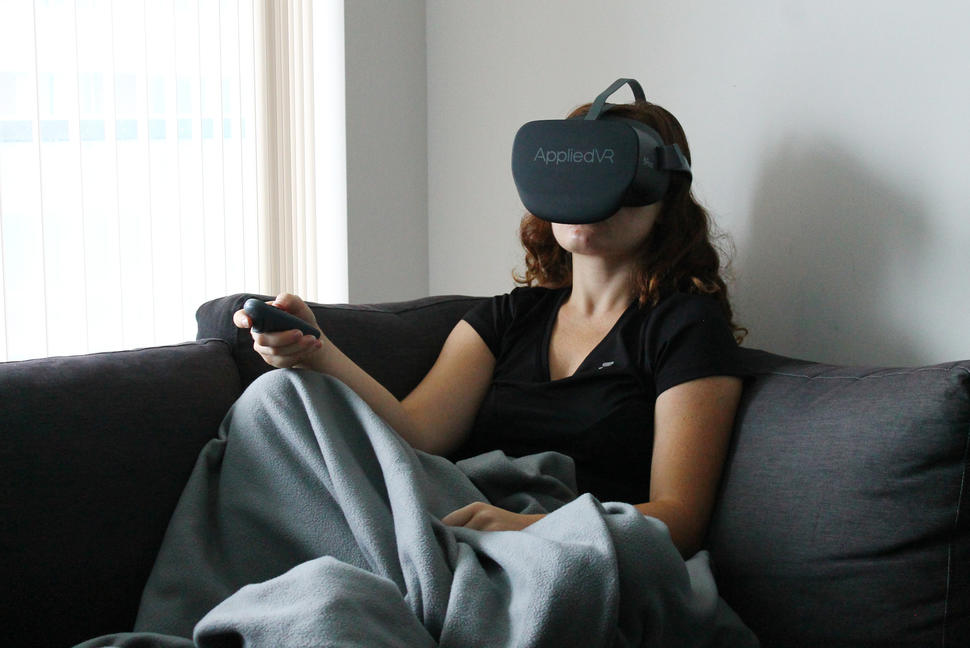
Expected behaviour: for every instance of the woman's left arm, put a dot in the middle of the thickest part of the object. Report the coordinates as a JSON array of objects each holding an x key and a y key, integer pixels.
[{"x": 692, "y": 431}]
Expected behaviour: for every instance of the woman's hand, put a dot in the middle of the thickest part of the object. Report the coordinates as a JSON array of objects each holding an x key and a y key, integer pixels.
[
  {"x": 485, "y": 517},
  {"x": 285, "y": 348}
]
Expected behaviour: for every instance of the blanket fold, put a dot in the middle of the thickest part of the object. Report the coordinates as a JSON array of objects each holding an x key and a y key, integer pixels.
[{"x": 308, "y": 521}]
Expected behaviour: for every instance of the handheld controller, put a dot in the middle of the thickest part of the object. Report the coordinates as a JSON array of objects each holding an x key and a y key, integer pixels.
[{"x": 269, "y": 319}]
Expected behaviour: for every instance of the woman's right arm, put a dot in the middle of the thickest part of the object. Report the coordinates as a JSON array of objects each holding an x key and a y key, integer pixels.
[{"x": 435, "y": 417}]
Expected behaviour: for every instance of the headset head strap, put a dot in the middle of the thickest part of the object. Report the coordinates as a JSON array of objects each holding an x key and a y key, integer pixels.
[{"x": 600, "y": 102}]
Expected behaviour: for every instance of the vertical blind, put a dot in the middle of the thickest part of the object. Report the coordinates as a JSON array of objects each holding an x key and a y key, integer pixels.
[
  {"x": 301, "y": 122},
  {"x": 144, "y": 169}
]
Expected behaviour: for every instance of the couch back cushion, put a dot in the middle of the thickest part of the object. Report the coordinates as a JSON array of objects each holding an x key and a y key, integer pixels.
[
  {"x": 396, "y": 342},
  {"x": 97, "y": 450},
  {"x": 843, "y": 518}
]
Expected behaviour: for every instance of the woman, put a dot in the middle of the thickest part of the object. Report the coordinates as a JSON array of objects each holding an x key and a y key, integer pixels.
[
  {"x": 635, "y": 376},
  {"x": 308, "y": 520}
]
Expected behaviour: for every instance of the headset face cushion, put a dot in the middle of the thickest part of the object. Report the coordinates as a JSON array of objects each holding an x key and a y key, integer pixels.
[{"x": 583, "y": 171}]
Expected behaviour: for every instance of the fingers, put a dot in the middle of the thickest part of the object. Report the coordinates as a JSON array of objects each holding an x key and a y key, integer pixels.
[
  {"x": 290, "y": 303},
  {"x": 281, "y": 299},
  {"x": 283, "y": 343},
  {"x": 485, "y": 517},
  {"x": 462, "y": 516},
  {"x": 286, "y": 301},
  {"x": 481, "y": 517},
  {"x": 294, "y": 305},
  {"x": 285, "y": 348},
  {"x": 241, "y": 319}
]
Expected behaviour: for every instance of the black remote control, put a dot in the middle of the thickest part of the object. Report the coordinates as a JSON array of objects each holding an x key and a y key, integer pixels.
[{"x": 269, "y": 319}]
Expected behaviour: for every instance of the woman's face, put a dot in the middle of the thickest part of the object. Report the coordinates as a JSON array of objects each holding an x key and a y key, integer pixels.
[{"x": 618, "y": 236}]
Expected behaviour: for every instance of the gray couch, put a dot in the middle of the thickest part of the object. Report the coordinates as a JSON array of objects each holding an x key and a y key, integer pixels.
[{"x": 843, "y": 518}]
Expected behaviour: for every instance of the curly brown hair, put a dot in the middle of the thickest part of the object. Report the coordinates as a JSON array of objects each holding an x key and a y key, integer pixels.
[{"x": 679, "y": 255}]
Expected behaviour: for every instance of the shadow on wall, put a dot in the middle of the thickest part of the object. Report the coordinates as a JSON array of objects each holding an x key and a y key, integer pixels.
[{"x": 823, "y": 272}]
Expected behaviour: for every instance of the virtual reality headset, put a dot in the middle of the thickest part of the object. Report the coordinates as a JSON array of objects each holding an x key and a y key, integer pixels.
[{"x": 582, "y": 170}]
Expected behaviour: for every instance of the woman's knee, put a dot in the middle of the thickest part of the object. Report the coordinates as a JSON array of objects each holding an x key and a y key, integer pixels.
[
  {"x": 290, "y": 383},
  {"x": 281, "y": 394}
]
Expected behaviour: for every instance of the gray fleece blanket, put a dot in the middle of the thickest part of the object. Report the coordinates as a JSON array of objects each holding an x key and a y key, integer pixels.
[{"x": 309, "y": 522}]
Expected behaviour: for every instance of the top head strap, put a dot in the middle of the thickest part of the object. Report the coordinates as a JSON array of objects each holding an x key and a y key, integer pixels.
[{"x": 600, "y": 102}]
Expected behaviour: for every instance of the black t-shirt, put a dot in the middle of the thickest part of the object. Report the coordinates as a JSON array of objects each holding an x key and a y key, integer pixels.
[{"x": 602, "y": 415}]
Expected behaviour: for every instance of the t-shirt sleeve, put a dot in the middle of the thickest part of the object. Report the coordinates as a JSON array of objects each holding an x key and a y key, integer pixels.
[
  {"x": 689, "y": 338},
  {"x": 491, "y": 319}
]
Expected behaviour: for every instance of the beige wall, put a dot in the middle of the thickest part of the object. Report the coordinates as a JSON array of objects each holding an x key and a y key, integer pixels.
[
  {"x": 387, "y": 139},
  {"x": 830, "y": 140}
]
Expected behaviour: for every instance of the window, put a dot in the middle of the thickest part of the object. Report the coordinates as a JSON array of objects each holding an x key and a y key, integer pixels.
[{"x": 141, "y": 174}]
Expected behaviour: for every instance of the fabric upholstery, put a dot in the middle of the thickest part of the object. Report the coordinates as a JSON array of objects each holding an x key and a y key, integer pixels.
[
  {"x": 843, "y": 516},
  {"x": 95, "y": 452},
  {"x": 396, "y": 343},
  {"x": 842, "y": 519}
]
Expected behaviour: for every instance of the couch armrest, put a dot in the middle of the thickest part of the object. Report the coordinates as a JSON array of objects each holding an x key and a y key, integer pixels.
[
  {"x": 395, "y": 342},
  {"x": 95, "y": 452},
  {"x": 844, "y": 513}
]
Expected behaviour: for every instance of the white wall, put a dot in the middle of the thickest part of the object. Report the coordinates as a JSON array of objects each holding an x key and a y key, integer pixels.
[
  {"x": 830, "y": 140},
  {"x": 387, "y": 137}
]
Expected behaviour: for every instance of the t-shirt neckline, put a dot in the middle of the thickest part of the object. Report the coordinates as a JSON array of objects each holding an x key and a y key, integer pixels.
[{"x": 547, "y": 337}]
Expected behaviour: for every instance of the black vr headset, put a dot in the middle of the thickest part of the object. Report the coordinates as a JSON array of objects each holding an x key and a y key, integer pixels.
[{"x": 583, "y": 170}]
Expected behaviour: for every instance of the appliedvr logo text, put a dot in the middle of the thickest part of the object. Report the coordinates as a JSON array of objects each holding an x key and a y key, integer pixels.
[{"x": 572, "y": 156}]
